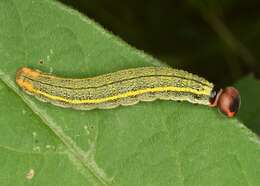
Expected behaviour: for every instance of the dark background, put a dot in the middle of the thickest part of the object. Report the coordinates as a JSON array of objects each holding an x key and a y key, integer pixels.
[{"x": 216, "y": 39}]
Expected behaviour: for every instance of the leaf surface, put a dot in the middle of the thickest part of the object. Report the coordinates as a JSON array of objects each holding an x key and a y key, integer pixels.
[{"x": 155, "y": 143}]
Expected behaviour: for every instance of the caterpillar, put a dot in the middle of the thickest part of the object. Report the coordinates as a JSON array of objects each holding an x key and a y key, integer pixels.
[{"x": 127, "y": 87}]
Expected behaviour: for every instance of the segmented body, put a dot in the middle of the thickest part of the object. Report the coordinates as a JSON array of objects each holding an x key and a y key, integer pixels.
[{"x": 125, "y": 87}]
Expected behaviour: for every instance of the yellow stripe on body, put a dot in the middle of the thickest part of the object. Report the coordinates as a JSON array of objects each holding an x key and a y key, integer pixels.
[{"x": 123, "y": 95}]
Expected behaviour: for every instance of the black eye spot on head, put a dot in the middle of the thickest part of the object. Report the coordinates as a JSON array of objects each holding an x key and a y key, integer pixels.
[
  {"x": 236, "y": 104},
  {"x": 229, "y": 101}
]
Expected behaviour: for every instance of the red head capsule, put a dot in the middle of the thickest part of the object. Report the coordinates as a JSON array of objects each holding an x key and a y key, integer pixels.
[{"x": 227, "y": 100}]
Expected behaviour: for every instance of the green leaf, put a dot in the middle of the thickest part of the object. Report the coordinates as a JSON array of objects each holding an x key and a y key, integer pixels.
[
  {"x": 156, "y": 143},
  {"x": 250, "y": 90}
]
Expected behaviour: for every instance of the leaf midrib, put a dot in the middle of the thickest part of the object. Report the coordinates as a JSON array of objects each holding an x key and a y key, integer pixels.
[{"x": 74, "y": 150}]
